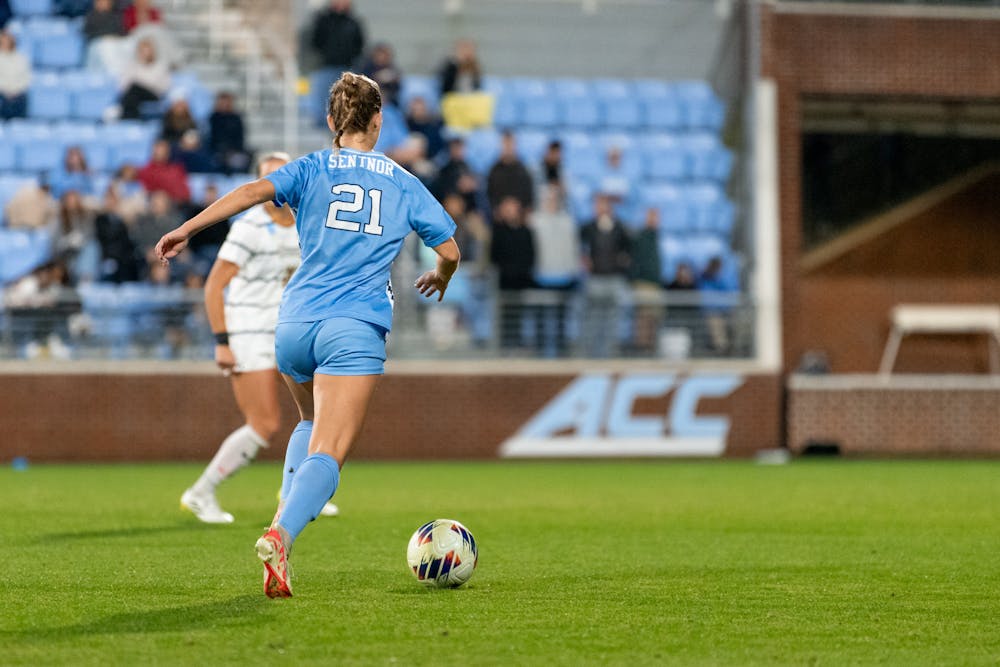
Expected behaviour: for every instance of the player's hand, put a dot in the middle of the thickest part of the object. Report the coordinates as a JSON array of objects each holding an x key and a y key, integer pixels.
[
  {"x": 432, "y": 283},
  {"x": 171, "y": 245},
  {"x": 224, "y": 359}
]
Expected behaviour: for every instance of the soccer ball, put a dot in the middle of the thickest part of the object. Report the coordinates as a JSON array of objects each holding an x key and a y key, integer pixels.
[{"x": 442, "y": 554}]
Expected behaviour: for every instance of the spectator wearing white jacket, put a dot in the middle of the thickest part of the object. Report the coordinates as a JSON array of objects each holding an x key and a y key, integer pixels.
[{"x": 15, "y": 77}]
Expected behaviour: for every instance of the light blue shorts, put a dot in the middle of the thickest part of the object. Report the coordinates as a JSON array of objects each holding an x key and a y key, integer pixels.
[{"x": 335, "y": 346}]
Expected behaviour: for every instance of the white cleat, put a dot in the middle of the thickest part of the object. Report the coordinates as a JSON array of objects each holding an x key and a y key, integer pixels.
[
  {"x": 329, "y": 510},
  {"x": 205, "y": 507}
]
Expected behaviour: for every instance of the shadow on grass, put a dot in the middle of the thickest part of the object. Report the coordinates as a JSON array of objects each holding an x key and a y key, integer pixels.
[
  {"x": 129, "y": 531},
  {"x": 240, "y": 611}
]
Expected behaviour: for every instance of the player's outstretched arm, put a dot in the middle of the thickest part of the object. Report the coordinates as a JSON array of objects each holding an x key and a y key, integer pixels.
[
  {"x": 225, "y": 207},
  {"x": 436, "y": 281}
]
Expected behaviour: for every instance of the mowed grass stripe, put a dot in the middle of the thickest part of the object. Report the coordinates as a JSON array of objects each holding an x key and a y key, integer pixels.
[{"x": 580, "y": 563}]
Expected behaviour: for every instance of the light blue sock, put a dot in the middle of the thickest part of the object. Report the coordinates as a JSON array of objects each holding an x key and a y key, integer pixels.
[
  {"x": 295, "y": 454},
  {"x": 313, "y": 485}
]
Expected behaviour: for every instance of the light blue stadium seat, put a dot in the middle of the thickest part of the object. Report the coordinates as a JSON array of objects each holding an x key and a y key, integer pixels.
[
  {"x": 496, "y": 85},
  {"x": 197, "y": 184},
  {"x": 130, "y": 142},
  {"x": 22, "y": 251},
  {"x": 482, "y": 148},
  {"x": 703, "y": 114},
  {"x": 48, "y": 98},
  {"x": 703, "y": 202},
  {"x": 90, "y": 102},
  {"x": 580, "y": 200},
  {"x": 581, "y": 112},
  {"x": 427, "y": 87},
  {"x": 8, "y": 157},
  {"x": 664, "y": 158},
  {"x": 651, "y": 89},
  {"x": 619, "y": 102},
  {"x": 60, "y": 50},
  {"x": 672, "y": 253},
  {"x": 669, "y": 201},
  {"x": 531, "y": 145},
  {"x": 582, "y": 155},
  {"x": 40, "y": 155},
  {"x": 538, "y": 111},
  {"x": 31, "y": 7},
  {"x": 506, "y": 112},
  {"x": 662, "y": 113}
]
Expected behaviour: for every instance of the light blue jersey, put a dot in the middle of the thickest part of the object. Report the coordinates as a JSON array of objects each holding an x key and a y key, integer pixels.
[{"x": 352, "y": 211}]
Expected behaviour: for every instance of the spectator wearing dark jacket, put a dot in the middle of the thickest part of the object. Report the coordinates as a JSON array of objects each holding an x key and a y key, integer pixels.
[
  {"x": 226, "y": 135},
  {"x": 119, "y": 258},
  {"x": 461, "y": 72},
  {"x": 606, "y": 254},
  {"x": 338, "y": 37},
  {"x": 381, "y": 68},
  {"x": 509, "y": 177},
  {"x": 512, "y": 251},
  {"x": 456, "y": 176},
  {"x": 103, "y": 20}
]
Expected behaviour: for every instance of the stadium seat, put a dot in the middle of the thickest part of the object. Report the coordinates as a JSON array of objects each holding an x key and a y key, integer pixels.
[
  {"x": 39, "y": 155},
  {"x": 129, "y": 142},
  {"x": 651, "y": 89},
  {"x": 22, "y": 251},
  {"x": 197, "y": 184},
  {"x": 506, "y": 112},
  {"x": 427, "y": 87},
  {"x": 669, "y": 201},
  {"x": 482, "y": 148},
  {"x": 59, "y": 50},
  {"x": 664, "y": 158},
  {"x": 31, "y": 7},
  {"x": 531, "y": 145},
  {"x": 619, "y": 102},
  {"x": 8, "y": 157},
  {"x": 580, "y": 200},
  {"x": 582, "y": 156},
  {"x": 48, "y": 98},
  {"x": 580, "y": 112},
  {"x": 662, "y": 113}
]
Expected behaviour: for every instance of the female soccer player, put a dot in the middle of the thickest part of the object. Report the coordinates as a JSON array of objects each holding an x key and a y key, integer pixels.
[
  {"x": 354, "y": 209},
  {"x": 259, "y": 256}
]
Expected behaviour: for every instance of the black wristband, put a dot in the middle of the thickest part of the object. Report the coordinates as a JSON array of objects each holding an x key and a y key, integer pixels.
[{"x": 222, "y": 338}]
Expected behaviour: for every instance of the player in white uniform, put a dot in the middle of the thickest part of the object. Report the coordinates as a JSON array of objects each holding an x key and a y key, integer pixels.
[{"x": 242, "y": 295}]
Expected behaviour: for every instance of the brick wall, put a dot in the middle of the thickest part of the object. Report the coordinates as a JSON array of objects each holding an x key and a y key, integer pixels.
[
  {"x": 156, "y": 417},
  {"x": 937, "y": 416},
  {"x": 835, "y": 54}
]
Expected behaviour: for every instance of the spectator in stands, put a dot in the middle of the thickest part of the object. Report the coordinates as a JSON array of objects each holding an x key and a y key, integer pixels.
[
  {"x": 31, "y": 207},
  {"x": 712, "y": 287},
  {"x": 461, "y": 73},
  {"x": 381, "y": 68},
  {"x": 146, "y": 79},
  {"x": 71, "y": 8},
  {"x": 119, "y": 259},
  {"x": 105, "y": 32},
  {"x": 338, "y": 40},
  {"x": 411, "y": 154},
  {"x": 226, "y": 135},
  {"x": 37, "y": 317},
  {"x": 164, "y": 175},
  {"x": 139, "y": 13},
  {"x": 205, "y": 246},
  {"x": 607, "y": 260},
  {"x": 557, "y": 267},
  {"x": 337, "y": 36},
  {"x": 73, "y": 175},
  {"x": 149, "y": 227},
  {"x": 177, "y": 120},
  {"x": 552, "y": 164},
  {"x": 5, "y": 13},
  {"x": 647, "y": 276},
  {"x": 103, "y": 20},
  {"x": 509, "y": 177},
  {"x": 130, "y": 196},
  {"x": 15, "y": 77},
  {"x": 456, "y": 176},
  {"x": 512, "y": 251},
  {"x": 615, "y": 182},
  {"x": 76, "y": 243},
  {"x": 684, "y": 279},
  {"x": 421, "y": 120},
  {"x": 193, "y": 156}
]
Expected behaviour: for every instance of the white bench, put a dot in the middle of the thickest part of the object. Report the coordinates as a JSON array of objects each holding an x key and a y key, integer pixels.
[{"x": 942, "y": 319}]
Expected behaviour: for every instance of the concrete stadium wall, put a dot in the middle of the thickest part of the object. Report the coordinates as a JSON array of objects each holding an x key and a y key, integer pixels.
[
  {"x": 907, "y": 415},
  {"x": 169, "y": 413},
  {"x": 850, "y": 50}
]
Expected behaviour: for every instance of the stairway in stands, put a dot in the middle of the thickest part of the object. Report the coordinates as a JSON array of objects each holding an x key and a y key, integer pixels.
[{"x": 219, "y": 44}]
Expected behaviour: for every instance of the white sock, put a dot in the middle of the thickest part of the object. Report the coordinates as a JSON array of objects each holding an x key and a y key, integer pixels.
[{"x": 236, "y": 451}]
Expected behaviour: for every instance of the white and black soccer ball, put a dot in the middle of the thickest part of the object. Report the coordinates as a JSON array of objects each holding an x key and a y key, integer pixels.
[{"x": 442, "y": 554}]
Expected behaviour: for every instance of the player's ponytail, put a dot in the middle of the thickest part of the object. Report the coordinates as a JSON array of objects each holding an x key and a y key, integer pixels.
[{"x": 354, "y": 101}]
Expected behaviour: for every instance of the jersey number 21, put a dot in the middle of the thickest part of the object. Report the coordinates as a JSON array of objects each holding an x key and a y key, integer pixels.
[{"x": 353, "y": 206}]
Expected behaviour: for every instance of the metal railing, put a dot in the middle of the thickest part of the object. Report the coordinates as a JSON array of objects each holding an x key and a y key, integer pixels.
[{"x": 595, "y": 319}]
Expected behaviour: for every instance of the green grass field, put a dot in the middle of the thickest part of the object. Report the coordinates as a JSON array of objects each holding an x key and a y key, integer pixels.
[{"x": 825, "y": 563}]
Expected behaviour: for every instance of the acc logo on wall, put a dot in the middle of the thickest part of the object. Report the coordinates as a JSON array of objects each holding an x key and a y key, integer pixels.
[{"x": 594, "y": 416}]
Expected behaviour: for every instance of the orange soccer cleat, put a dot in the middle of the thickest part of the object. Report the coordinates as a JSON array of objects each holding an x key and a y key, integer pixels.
[{"x": 277, "y": 579}]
